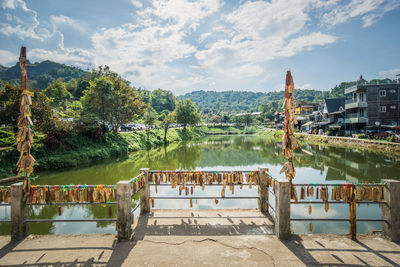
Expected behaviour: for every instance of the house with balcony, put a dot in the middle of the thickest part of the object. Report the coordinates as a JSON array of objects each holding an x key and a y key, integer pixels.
[
  {"x": 304, "y": 112},
  {"x": 331, "y": 116},
  {"x": 372, "y": 106}
]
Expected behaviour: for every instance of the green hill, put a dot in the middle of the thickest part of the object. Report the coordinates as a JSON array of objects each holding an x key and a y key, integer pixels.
[
  {"x": 246, "y": 101},
  {"x": 41, "y": 74}
]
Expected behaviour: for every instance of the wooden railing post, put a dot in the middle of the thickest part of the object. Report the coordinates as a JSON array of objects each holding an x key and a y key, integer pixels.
[
  {"x": 391, "y": 210},
  {"x": 19, "y": 213},
  {"x": 263, "y": 191},
  {"x": 353, "y": 214},
  {"x": 124, "y": 200},
  {"x": 145, "y": 192},
  {"x": 282, "y": 210}
]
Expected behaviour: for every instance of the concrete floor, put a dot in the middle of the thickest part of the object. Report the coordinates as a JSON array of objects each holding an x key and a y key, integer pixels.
[{"x": 200, "y": 238}]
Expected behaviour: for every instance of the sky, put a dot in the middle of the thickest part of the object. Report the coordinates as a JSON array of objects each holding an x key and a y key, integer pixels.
[{"x": 183, "y": 45}]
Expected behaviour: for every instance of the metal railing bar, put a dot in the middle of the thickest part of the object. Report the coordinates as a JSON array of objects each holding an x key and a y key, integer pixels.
[
  {"x": 269, "y": 204},
  {"x": 133, "y": 210},
  {"x": 343, "y": 184},
  {"x": 333, "y": 202},
  {"x": 199, "y": 171},
  {"x": 372, "y": 220},
  {"x": 5, "y": 221},
  {"x": 320, "y": 219},
  {"x": 4, "y": 204},
  {"x": 204, "y": 197},
  {"x": 70, "y": 220},
  {"x": 137, "y": 191},
  {"x": 198, "y": 184},
  {"x": 71, "y": 203}
]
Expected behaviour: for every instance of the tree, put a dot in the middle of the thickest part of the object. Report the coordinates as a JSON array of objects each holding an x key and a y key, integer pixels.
[
  {"x": 247, "y": 119},
  {"x": 149, "y": 118},
  {"x": 162, "y": 100},
  {"x": 166, "y": 121},
  {"x": 82, "y": 86},
  {"x": 42, "y": 113},
  {"x": 98, "y": 98},
  {"x": 57, "y": 92},
  {"x": 187, "y": 113},
  {"x": 71, "y": 86},
  {"x": 112, "y": 101}
]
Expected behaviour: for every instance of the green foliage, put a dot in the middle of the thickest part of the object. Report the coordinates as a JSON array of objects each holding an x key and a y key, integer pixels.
[
  {"x": 112, "y": 101},
  {"x": 162, "y": 100},
  {"x": 149, "y": 118},
  {"x": 166, "y": 121},
  {"x": 42, "y": 112},
  {"x": 57, "y": 93},
  {"x": 6, "y": 139},
  {"x": 42, "y": 74},
  {"x": 187, "y": 113}
]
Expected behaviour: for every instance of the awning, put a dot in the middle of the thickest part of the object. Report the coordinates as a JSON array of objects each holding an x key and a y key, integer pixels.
[
  {"x": 301, "y": 118},
  {"x": 321, "y": 123},
  {"x": 335, "y": 126},
  {"x": 307, "y": 124}
]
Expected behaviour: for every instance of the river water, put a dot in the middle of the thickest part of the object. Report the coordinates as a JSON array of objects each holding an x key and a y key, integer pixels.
[{"x": 314, "y": 164}]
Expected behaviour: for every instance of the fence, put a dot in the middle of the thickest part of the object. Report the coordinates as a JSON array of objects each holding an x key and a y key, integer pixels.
[{"x": 387, "y": 194}]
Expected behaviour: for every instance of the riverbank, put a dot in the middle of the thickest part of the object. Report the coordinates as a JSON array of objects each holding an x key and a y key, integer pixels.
[
  {"x": 77, "y": 150},
  {"x": 376, "y": 146}
]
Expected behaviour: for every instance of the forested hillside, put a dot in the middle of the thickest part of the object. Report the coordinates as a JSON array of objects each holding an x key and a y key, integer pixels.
[
  {"x": 245, "y": 101},
  {"x": 41, "y": 74}
]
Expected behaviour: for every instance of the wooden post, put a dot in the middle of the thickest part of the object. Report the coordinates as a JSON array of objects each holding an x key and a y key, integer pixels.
[
  {"x": 19, "y": 213},
  {"x": 145, "y": 192},
  {"x": 353, "y": 214},
  {"x": 124, "y": 200},
  {"x": 263, "y": 191},
  {"x": 282, "y": 210},
  {"x": 391, "y": 210}
]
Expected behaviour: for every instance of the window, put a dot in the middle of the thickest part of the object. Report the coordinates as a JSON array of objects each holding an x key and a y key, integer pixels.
[
  {"x": 392, "y": 106},
  {"x": 382, "y": 93},
  {"x": 393, "y": 91},
  {"x": 394, "y": 123},
  {"x": 382, "y": 108}
]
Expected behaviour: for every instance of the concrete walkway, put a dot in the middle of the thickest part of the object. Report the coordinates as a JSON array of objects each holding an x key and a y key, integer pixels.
[{"x": 200, "y": 238}]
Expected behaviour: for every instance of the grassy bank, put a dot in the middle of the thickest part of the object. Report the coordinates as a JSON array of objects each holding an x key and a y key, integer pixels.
[{"x": 76, "y": 150}]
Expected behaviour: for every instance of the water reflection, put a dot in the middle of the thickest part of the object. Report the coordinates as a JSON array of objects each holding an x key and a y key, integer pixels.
[{"x": 314, "y": 164}]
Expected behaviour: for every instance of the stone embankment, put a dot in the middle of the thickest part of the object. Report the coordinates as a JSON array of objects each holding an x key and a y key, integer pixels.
[{"x": 350, "y": 142}]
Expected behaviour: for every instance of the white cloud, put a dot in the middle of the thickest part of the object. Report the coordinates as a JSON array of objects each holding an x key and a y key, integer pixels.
[
  {"x": 137, "y": 3},
  {"x": 369, "y": 10},
  {"x": 62, "y": 20},
  {"x": 7, "y": 58},
  {"x": 391, "y": 74},
  {"x": 262, "y": 31},
  {"x": 22, "y": 26},
  {"x": 142, "y": 51}
]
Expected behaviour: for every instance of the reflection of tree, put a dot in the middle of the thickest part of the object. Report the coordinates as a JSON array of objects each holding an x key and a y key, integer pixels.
[{"x": 42, "y": 212}]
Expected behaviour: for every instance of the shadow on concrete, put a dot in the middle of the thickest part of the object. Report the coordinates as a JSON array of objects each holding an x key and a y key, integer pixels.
[
  {"x": 191, "y": 226},
  {"x": 295, "y": 245}
]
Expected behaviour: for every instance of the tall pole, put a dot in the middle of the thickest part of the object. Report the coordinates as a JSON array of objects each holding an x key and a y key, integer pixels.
[
  {"x": 289, "y": 142},
  {"x": 24, "y": 135}
]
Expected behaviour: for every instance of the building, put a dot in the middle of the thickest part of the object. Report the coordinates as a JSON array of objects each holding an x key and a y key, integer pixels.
[
  {"x": 372, "y": 106},
  {"x": 304, "y": 112}
]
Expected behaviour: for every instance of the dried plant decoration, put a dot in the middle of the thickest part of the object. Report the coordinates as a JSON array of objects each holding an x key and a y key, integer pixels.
[
  {"x": 289, "y": 142},
  {"x": 24, "y": 135}
]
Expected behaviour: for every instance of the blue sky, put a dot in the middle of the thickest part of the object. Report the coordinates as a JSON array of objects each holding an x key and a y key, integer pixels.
[{"x": 184, "y": 45}]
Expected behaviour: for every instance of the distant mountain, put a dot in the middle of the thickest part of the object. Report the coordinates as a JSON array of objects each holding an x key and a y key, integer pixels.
[
  {"x": 246, "y": 101},
  {"x": 41, "y": 74}
]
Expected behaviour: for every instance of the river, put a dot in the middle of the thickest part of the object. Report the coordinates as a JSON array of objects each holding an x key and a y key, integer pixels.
[{"x": 314, "y": 164}]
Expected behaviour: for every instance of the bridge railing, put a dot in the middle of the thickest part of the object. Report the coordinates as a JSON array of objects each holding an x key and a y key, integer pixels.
[{"x": 133, "y": 194}]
